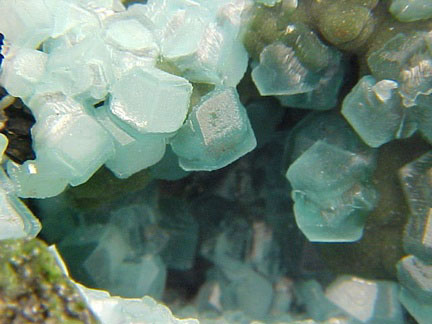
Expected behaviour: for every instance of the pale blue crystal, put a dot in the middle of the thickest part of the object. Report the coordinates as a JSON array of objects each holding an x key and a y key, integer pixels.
[
  {"x": 133, "y": 151},
  {"x": 416, "y": 294},
  {"x": 330, "y": 198},
  {"x": 280, "y": 72},
  {"x": 107, "y": 257},
  {"x": 69, "y": 137},
  {"x": 296, "y": 65},
  {"x": 407, "y": 59},
  {"x": 139, "y": 100},
  {"x": 116, "y": 310},
  {"x": 26, "y": 23},
  {"x": 330, "y": 178},
  {"x": 39, "y": 178},
  {"x": 16, "y": 220},
  {"x": 324, "y": 97},
  {"x": 411, "y": 10},
  {"x": 416, "y": 180},
  {"x": 22, "y": 69},
  {"x": 311, "y": 295},
  {"x": 374, "y": 110},
  {"x": 366, "y": 300},
  {"x": 216, "y": 133},
  {"x": 83, "y": 77}
]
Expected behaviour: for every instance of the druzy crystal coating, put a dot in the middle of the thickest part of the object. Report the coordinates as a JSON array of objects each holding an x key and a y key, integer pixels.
[{"x": 175, "y": 157}]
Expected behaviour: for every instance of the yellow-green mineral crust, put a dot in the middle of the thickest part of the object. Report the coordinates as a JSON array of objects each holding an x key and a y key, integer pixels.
[{"x": 33, "y": 288}]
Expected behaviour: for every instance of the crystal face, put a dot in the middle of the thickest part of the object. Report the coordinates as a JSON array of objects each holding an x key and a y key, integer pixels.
[{"x": 230, "y": 161}]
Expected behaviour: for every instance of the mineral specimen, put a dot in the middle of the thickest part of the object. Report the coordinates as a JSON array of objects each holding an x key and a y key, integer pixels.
[{"x": 114, "y": 112}]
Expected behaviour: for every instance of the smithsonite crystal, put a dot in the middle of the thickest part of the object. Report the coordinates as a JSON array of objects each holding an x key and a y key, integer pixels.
[
  {"x": 416, "y": 178},
  {"x": 216, "y": 133},
  {"x": 411, "y": 10},
  {"x": 416, "y": 292},
  {"x": 375, "y": 111},
  {"x": 150, "y": 110},
  {"x": 405, "y": 58},
  {"x": 330, "y": 180},
  {"x": 130, "y": 97},
  {"x": 295, "y": 64}
]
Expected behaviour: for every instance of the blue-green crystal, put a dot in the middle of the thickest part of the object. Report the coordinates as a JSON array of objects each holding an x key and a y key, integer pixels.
[
  {"x": 330, "y": 181},
  {"x": 216, "y": 133},
  {"x": 411, "y": 10},
  {"x": 416, "y": 294},
  {"x": 416, "y": 180},
  {"x": 375, "y": 111}
]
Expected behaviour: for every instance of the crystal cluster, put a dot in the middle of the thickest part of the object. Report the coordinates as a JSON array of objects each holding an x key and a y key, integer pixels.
[
  {"x": 238, "y": 161},
  {"x": 98, "y": 83}
]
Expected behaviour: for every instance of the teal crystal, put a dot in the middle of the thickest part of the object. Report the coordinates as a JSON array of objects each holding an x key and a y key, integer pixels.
[
  {"x": 139, "y": 100},
  {"x": 416, "y": 180},
  {"x": 406, "y": 59},
  {"x": 216, "y": 133},
  {"x": 312, "y": 296},
  {"x": 416, "y": 294},
  {"x": 411, "y": 10},
  {"x": 16, "y": 220},
  {"x": 82, "y": 145},
  {"x": 296, "y": 65},
  {"x": 367, "y": 301},
  {"x": 139, "y": 276},
  {"x": 24, "y": 70},
  {"x": 330, "y": 182},
  {"x": 323, "y": 97},
  {"x": 375, "y": 111},
  {"x": 108, "y": 107},
  {"x": 133, "y": 151}
]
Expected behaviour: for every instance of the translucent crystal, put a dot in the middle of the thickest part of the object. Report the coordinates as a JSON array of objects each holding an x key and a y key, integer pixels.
[
  {"x": 416, "y": 294},
  {"x": 295, "y": 65},
  {"x": 140, "y": 100},
  {"x": 323, "y": 97},
  {"x": 405, "y": 58},
  {"x": 330, "y": 180},
  {"x": 416, "y": 180},
  {"x": 39, "y": 178},
  {"x": 311, "y": 295},
  {"x": 375, "y": 112},
  {"x": 69, "y": 137},
  {"x": 16, "y": 220},
  {"x": 131, "y": 35},
  {"x": 26, "y": 23},
  {"x": 133, "y": 151},
  {"x": 216, "y": 133},
  {"x": 84, "y": 77},
  {"x": 330, "y": 200},
  {"x": 23, "y": 68},
  {"x": 211, "y": 52},
  {"x": 411, "y": 10},
  {"x": 116, "y": 269},
  {"x": 367, "y": 301}
]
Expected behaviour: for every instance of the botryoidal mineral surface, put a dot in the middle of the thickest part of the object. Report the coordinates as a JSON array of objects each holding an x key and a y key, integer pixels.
[{"x": 229, "y": 161}]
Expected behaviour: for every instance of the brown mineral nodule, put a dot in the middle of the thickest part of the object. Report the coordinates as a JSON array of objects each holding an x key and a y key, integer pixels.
[{"x": 33, "y": 288}]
